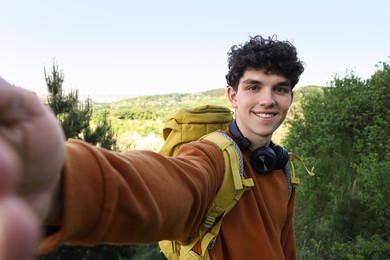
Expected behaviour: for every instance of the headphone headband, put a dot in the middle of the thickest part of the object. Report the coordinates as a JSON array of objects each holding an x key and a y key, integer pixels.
[{"x": 243, "y": 142}]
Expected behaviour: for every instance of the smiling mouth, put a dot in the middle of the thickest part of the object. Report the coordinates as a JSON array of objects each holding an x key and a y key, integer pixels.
[{"x": 264, "y": 115}]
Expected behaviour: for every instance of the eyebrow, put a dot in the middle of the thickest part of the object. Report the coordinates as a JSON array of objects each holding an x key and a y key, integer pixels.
[
  {"x": 284, "y": 83},
  {"x": 252, "y": 81},
  {"x": 258, "y": 82}
]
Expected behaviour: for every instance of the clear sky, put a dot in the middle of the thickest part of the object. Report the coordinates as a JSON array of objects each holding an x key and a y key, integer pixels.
[{"x": 146, "y": 47}]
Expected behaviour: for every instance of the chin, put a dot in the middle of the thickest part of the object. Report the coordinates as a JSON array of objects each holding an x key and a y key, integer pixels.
[{"x": 265, "y": 135}]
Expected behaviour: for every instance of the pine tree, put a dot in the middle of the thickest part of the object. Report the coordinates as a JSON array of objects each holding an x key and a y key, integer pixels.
[
  {"x": 75, "y": 115},
  {"x": 75, "y": 119}
]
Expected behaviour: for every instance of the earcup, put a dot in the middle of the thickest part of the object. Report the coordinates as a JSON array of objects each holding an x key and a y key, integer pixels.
[
  {"x": 282, "y": 156},
  {"x": 263, "y": 160},
  {"x": 266, "y": 159}
]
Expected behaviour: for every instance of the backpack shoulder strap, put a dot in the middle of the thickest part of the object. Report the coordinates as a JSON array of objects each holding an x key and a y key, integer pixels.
[
  {"x": 234, "y": 163},
  {"x": 232, "y": 188},
  {"x": 287, "y": 173}
]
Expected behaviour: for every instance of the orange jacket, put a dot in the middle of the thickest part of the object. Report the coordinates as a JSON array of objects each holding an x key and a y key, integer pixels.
[{"x": 143, "y": 197}]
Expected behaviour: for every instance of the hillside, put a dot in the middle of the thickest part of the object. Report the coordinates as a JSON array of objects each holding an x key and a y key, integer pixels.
[
  {"x": 170, "y": 102},
  {"x": 138, "y": 121}
]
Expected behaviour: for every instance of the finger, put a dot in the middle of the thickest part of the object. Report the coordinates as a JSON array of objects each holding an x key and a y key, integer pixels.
[
  {"x": 17, "y": 103},
  {"x": 9, "y": 167},
  {"x": 19, "y": 229}
]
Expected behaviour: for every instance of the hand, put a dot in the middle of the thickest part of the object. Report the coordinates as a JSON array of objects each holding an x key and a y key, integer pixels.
[{"x": 32, "y": 153}]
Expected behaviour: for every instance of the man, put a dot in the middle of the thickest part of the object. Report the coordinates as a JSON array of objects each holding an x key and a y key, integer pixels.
[{"x": 88, "y": 195}]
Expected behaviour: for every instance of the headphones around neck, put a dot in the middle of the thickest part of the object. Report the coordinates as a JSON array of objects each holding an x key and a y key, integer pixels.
[{"x": 264, "y": 159}]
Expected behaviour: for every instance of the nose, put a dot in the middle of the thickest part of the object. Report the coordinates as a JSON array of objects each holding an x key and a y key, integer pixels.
[{"x": 266, "y": 98}]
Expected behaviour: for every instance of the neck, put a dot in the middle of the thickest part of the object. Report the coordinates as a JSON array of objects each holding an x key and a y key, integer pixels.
[
  {"x": 260, "y": 142},
  {"x": 248, "y": 142}
]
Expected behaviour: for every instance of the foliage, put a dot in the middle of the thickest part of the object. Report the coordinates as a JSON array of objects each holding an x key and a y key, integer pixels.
[
  {"x": 140, "y": 120},
  {"x": 144, "y": 115},
  {"x": 102, "y": 134},
  {"x": 76, "y": 121},
  {"x": 343, "y": 212},
  {"x": 161, "y": 106},
  {"x": 74, "y": 115}
]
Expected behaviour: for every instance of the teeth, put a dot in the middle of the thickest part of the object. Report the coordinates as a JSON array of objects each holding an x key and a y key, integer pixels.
[{"x": 265, "y": 115}]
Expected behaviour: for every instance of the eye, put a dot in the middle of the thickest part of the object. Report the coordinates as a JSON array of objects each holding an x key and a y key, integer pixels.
[
  {"x": 253, "y": 87},
  {"x": 285, "y": 90}
]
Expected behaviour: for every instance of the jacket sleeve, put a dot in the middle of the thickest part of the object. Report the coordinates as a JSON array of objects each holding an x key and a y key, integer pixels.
[
  {"x": 134, "y": 197},
  {"x": 288, "y": 234}
]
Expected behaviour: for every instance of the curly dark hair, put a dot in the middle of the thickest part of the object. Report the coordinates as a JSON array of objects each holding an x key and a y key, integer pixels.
[{"x": 272, "y": 55}]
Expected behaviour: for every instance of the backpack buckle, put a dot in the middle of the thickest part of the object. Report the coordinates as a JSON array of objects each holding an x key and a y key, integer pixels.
[{"x": 209, "y": 222}]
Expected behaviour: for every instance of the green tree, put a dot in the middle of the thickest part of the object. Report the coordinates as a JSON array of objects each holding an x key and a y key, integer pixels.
[
  {"x": 75, "y": 118},
  {"x": 74, "y": 115},
  {"x": 102, "y": 134},
  {"x": 343, "y": 212}
]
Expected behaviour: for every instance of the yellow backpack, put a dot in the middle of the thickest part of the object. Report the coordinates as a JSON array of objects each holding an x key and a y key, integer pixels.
[{"x": 188, "y": 125}]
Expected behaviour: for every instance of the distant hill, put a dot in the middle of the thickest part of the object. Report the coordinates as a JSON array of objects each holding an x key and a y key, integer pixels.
[
  {"x": 153, "y": 110},
  {"x": 170, "y": 102}
]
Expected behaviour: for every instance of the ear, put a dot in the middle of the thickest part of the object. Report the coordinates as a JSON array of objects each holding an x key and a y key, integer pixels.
[
  {"x": 292, "y": 97},
  {"x": 232, "y": 94}
]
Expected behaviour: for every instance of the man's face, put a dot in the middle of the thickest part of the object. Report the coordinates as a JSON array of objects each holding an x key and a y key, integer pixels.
[{"x": 261, "y": 104}]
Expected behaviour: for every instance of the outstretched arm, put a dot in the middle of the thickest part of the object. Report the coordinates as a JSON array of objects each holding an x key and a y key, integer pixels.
[
  {"x": 107, "y": 197},
  {"x": 32, "y": 154}
]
